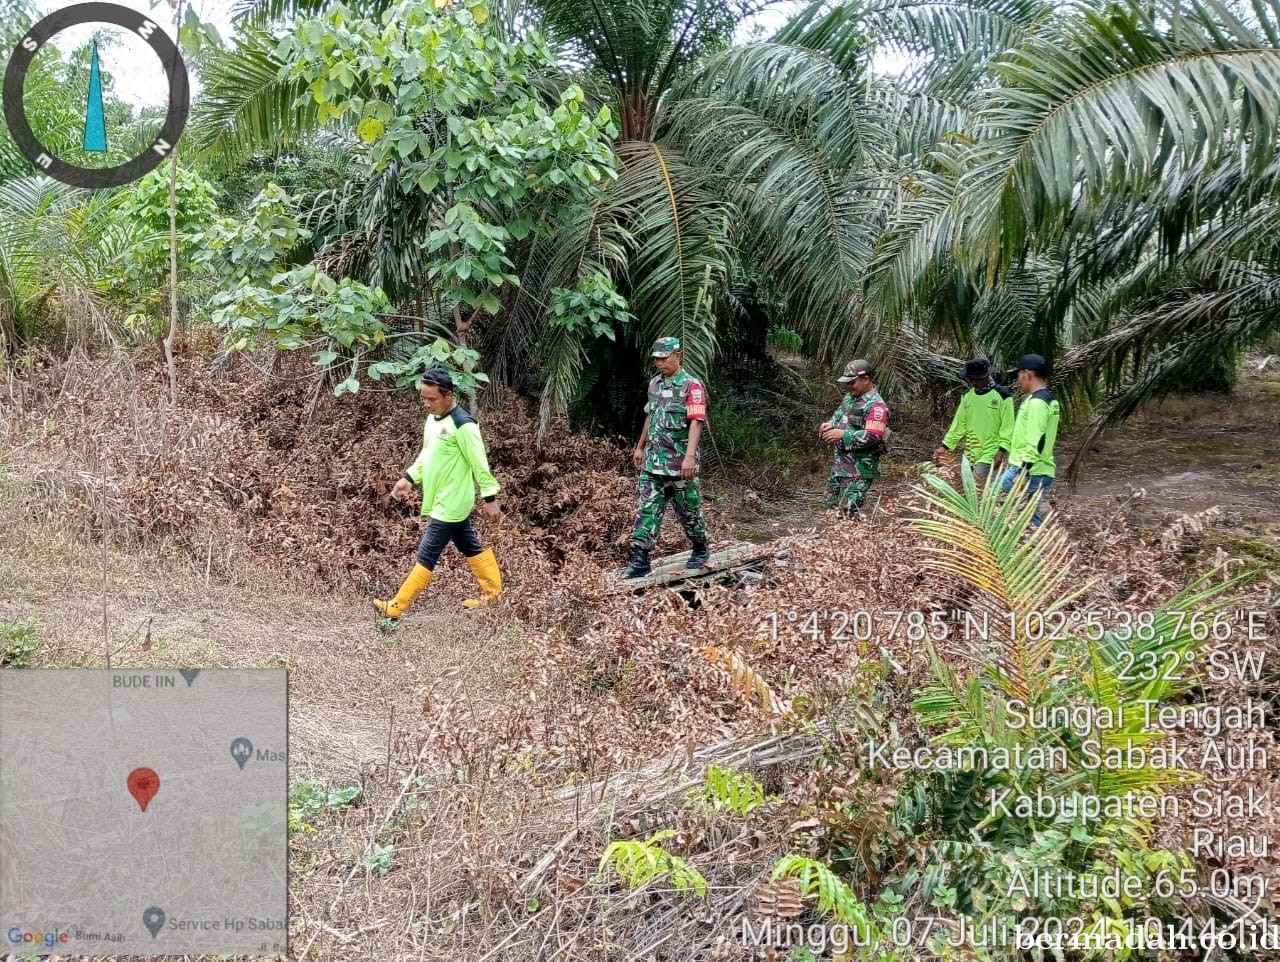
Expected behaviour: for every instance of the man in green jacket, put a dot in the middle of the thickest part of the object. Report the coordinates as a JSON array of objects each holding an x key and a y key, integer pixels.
[
  {"x": 452, "y": 463},
  {"x": 983, "y": 423},
  {"x": 1034, "y": 432}
]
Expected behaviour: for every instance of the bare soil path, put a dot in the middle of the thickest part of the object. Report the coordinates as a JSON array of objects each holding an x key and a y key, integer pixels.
[
  {"x": 346, "y": 676},
  {"x": 1192, "y": 455}
]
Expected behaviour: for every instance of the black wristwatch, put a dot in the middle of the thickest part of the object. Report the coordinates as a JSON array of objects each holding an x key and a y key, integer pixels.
[
  {"x": 409, "y": 479},
  {"x": 490, "y": 499}
]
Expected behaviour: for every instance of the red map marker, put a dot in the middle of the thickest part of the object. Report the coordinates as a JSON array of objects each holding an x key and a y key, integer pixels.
[{"x": 143, "y": 785}]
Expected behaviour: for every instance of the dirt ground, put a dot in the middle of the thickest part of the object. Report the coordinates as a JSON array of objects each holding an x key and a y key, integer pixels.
[
  {"x": 346, "y": 676},
  {"x": 355, "y": 691},
  {"x": 1211, "y": 456},
  {"x": 1210, "y": 461}
]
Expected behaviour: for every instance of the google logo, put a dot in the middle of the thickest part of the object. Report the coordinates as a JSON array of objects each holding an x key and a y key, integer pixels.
[{"x": 47, "y": 939}]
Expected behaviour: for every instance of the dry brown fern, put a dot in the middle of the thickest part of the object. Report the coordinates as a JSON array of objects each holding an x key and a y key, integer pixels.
[
  {"x": 747, "y": 680},
  {"x": 1173, "y": 535},
  {"x": 779, "y": 899}
]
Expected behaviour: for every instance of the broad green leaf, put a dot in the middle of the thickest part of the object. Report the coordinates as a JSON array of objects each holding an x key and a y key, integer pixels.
[{"x": 370, "y": 129}]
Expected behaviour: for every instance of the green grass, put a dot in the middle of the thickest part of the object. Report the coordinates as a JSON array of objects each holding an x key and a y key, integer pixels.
[{"x": 741, "y": 437}]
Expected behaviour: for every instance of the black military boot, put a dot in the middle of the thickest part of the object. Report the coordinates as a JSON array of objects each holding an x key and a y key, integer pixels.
[
  {"x": 699, "y": 556},
  {"x": 639, "y": 564}
]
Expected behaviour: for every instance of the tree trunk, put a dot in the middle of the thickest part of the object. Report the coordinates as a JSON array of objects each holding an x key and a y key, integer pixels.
[
  {"x": 639, "y": 113},
  {"x": 8, "y": 332},
  {"x": 173, "y": 250},
  {"x": 173, "y": 280}
]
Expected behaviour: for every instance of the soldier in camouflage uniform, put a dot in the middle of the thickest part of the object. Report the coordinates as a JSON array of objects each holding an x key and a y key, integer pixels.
[
  {"x": 668, "y": 459},
  {"x": 858, "y": 430}
]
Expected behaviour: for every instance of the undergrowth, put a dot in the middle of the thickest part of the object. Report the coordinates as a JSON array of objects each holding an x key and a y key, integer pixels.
[{"x": 18, "y": 643}]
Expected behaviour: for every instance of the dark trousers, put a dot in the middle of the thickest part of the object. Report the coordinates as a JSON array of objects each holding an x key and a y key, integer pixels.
[{"x": 437, "y": 538}]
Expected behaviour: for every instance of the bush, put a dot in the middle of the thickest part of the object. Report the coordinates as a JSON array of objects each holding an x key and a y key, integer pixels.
[
  {"x": 311, "y": 804},
  {"x": 931, "y": 834},
  {"x": 18, "y": 642}
]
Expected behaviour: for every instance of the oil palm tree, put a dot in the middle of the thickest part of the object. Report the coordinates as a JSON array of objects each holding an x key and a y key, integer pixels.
[
  {"x": 1016, "y": 581},
  {"x": 1106, "y": 196},
  {"x": 57, "y": 245},
  {"x": 754, "y": 159}
]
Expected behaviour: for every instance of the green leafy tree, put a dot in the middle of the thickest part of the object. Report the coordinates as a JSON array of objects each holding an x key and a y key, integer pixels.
[
  {"x": 449, "y": 109},
  {"x": 254, "y": 247},
  {"x": 142, "y": 274},
  {"x": 264, "y": 301},
  {"x": 306, "y": 308}
]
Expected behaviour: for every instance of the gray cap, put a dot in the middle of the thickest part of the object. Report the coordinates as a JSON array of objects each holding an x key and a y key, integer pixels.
[{"x": 853, "y": 369}]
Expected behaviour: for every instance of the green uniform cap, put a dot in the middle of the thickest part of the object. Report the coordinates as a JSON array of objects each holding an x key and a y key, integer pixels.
[{"x": 666, "y": 346}]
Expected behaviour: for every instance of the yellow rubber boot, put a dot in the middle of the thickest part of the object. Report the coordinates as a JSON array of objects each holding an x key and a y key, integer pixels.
[
  {"x": 485, "y": 567},
  {"x": 413, "y": 584}
]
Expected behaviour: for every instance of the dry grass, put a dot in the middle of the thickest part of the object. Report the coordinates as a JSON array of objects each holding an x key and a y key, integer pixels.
[
  {"x": 515, "y": 762},
  {"x": 270, "y": 470},
  {"x": 523, "y": 738},
  {"x": 345, "y": 675}
]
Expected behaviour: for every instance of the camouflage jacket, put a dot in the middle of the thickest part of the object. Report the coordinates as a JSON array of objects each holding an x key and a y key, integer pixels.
[
  {"x": 864, "y": 420},
  {"x": 673, "y": 403}
]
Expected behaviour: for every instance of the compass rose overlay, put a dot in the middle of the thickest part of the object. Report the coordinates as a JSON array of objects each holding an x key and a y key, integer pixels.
[{"x": 175, "y": 116}]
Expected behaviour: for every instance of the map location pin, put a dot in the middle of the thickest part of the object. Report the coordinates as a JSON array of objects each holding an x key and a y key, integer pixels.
[
  {"x": 153, "y": 919},
  {"x": 241, "y": 749},
  {"x": 143, "y": 784}
]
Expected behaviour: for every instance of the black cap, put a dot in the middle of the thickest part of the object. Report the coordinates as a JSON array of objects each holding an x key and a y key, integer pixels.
[
  {"x": 1031, "y": 362},
  {"x": 976, "y": 368},
  {"x": 439, "y": 377}
]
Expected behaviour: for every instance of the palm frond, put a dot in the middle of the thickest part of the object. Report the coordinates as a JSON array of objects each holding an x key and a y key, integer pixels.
[
  {"x": 679, "y": 242},
  {"x": 262, "y": 13},
  {"x": 55, "y": 242},
  {"x": 641, "y": 45},
  {"x": 920, "y": 119},
  {"x": 923, "y": 217},
  {"x": 592, "y": 239},
  {"x": 247, "y": 106},
  {"x": 1196, "y": 331},
  {"x": 981, "y": 538},
  {"x": 974, "y": 719},
  {"x": 1107, "y": 105},
  {"x": 938, "y": 29},
  {"x": 789, "y": 144},
  {"x": 1007, "y": 312}
]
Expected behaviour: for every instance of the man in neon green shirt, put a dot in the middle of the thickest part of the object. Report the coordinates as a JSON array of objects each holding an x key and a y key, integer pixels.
[
  {"x": 983, "y": 423},
  {"x": 1034, "y": 432},
  {"x": 453, "y": 462}
]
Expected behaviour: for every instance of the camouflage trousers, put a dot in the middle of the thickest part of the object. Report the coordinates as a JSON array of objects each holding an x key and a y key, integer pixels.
[
  {"x": 655, "y": 492},
  {"x": 847, "y": 492}
]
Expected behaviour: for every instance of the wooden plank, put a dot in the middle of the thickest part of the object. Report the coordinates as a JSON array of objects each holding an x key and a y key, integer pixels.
[{"x": 671, "y": 569}]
